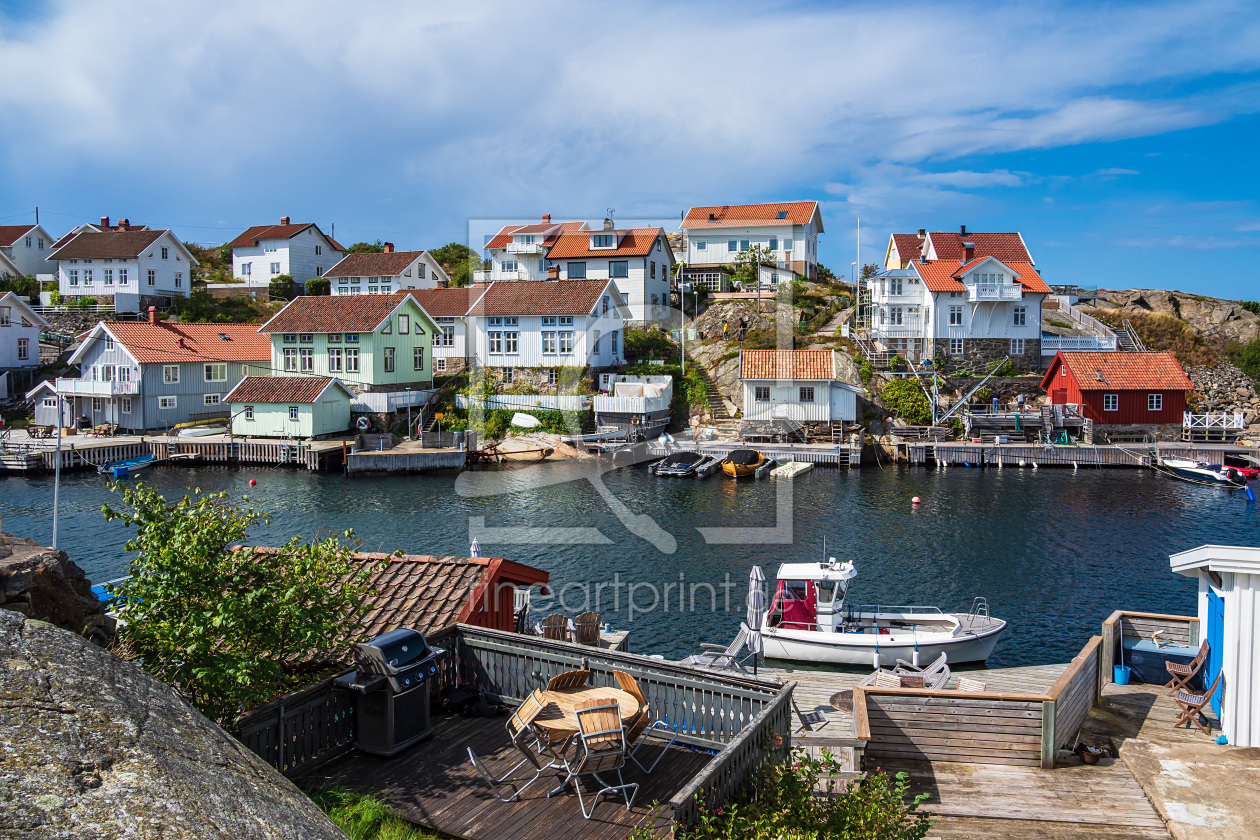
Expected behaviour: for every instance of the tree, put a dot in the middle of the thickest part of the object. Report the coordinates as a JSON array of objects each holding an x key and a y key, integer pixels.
[
  {"x": 1248, "y": 358},
  {"x": 365, "y": 248},
  {"x": 318, "y": 286},
  {"x": 281, "y": 287},
  {"x": 231, "y": 627},
  {"x": 214, "y": 264},
  {"x": 906, "y": 397},
  {"x": 746, "y": 263},
  {"x": 22, "y": 286},
  {"x": 458, "y": 261}
]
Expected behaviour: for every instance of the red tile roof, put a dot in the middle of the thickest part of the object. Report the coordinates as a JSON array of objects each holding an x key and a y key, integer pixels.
[
  {"x": 787, "y": 364},
  {"x": 635, "y": 242},
  {"x": 373, "y": 265},
  {"x": 504, "y": 236},
  {"x": 735, "y": 215},
  {"x": 1121, "y": 371},
  {"x": 12, "y": 233},
  {"x": 279, "y": 389},
  {"x": 1007, "y": 247},
  {"x": 452, "y": 302},
  {"x": 947, "y": 275},
  {"x": 333, "y": 313},
  {"x": 171, "y": 342},
  {"x": 253, "y": 235},
  {"x": 108, "y": 245},
  {"x": 909, "y": 245},
  {"x": 542, "y": 297}
]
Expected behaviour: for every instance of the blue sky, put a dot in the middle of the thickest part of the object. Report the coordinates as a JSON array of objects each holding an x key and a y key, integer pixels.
[{"x": 1120, "y": 139}]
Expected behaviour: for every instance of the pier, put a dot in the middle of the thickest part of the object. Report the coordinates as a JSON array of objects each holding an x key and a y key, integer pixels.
[
  {"x": 929, "y": 452},
  {"x": 836, "y": 454},
  {"x": 90, "y": 453}
]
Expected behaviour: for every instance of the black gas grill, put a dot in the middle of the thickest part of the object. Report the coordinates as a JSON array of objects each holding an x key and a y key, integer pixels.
[{"x": 394, "y": 674}]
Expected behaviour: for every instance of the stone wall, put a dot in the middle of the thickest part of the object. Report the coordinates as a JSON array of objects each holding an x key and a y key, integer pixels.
[
  {"x": 455, "y": 365},
  {"x": 979, "y": 352},
  {"x": 45, "y": 584},
  {"x": 569, "y": 380}
]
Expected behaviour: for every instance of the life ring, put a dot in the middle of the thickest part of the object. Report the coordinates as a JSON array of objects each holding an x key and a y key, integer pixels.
[{"x": 362, "y": 423}]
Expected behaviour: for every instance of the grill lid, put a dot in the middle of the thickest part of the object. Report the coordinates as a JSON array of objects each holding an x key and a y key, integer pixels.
[{"x": 392, "y": 651}]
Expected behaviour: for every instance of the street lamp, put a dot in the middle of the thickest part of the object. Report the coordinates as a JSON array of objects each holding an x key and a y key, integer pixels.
[
  {"x": 408, "y": 389},
  {"x": 683, "y": 288}
]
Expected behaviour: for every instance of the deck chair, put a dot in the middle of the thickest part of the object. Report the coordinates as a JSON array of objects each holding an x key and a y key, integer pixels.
[
  {"x": 935, "y": 675},
  {"x": 601, "y": 749},
  {"x": 965, "y": 684},
  {"x": 717, "y": 656},
  {"x": 1191, "y": 706},
  {"x": 568, "y": 679},
  {"x": 643, "y": 726},
  {"x": 555, "y": 627},
  {"x": 913, "y": 681},
  {"x": 810, "y": 721},
  {"x": 1180, "y": 675},
  {"x": 523, "y": 737},
  {"x": 586, "y": 629}
]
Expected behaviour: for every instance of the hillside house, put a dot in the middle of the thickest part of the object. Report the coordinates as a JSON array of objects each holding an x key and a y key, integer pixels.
[
  {"x": 519, "y": 252},
  {"x": 136, "y": 268},
  {"x": 155, "y": 374},
  {"x": 790, "y": 389},
  {"x": 372, "y": 343},
  {"x": 1141, "y": 391},
  {"x": 385, "y": 273},
  {"x": 20, "y": 326},
  {"x": 453, "y": 352},
  {"x": 296, "y": 407},
  {"x": 787, "y": 231},
  {"x": 638, "y": 260},
  {"x": 301, "y": 251},
  {"x": 24, "y": 250},
  {"x": 104, "y": 226}
]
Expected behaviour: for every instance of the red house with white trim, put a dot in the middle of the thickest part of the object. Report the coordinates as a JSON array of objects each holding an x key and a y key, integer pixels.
[{"x": 1115, "y": 388}]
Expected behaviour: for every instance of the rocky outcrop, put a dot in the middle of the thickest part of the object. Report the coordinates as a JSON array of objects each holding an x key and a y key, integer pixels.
[
  {"x": 1213, "y": 318},
  {"x": 45, "y": 584},
  {"x": 94, "y": 747}
]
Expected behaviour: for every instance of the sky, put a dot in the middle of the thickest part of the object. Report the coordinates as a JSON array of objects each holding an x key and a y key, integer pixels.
[{"x": 1120, "y": 139}]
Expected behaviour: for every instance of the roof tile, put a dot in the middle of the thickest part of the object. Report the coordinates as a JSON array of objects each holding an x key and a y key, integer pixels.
[
  {"x": 172, "y": 341},
  {"x": 1119, "y": 370},
  {"x": 541, "y": 297},
  {"x": 728, "y": 215},
  {"x": 278, "y": 389},
  {"x": 333, "y": 313},
  {"x": 635, "y": 242},
  {"x": 388, "y": 264},
  {"x": 450, "y": 302},
  {"x": 12, "y": 233},
  {"x": 1007, "y": 247},
  {"x": 108, "y": 244},
  {"x": 787, "y": 364}
]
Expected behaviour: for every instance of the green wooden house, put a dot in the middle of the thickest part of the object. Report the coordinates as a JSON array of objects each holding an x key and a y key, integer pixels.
[
  {"x": 289, "y": 406},
  {"x": 369, "y": 342}
]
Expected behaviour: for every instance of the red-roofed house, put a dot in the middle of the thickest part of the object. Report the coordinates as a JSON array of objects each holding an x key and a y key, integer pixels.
[
  {"x": 519, "y": 252},
  {"x": 289, "y": 406},
  {"x": 133, "y": 265},
  {"x": 795, "y": 386},
  {"x": 300, "y": 250},
  {"x": 27, "y": 247},
  {"x": 788, "y": 231},
  {"x": 385, "y": 273},
  {"x": 1120, "y": 388},
  {"x": 979, "y": 303}
]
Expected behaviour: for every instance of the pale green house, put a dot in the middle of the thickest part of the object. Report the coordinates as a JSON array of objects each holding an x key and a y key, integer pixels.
[
  {"x": 289, "y": 406},
  {"x": 369, "y": 342}
]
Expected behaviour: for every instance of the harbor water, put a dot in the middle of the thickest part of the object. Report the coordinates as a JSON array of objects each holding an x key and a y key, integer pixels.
[{"x": 1053, "y": 551}]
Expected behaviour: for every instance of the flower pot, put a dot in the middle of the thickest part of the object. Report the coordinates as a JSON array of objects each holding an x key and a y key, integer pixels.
[{"x": 1122, "y": 674}]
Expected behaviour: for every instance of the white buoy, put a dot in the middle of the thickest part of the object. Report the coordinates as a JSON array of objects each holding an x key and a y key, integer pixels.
[
  {"x": 1021, "y": 462},
  {"x": 1034, "y": 465},
  {"x": 915, "y": 658}
]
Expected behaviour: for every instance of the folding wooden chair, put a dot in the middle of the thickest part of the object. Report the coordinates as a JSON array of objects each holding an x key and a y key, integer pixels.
[
  {"x": 1181, "y": 674},
  {"x": 883, "y": 679},
  {"x": 555, "y": 627},
  {"x": 1192, "y": 706},
  {"x": 586, "y": 629},
  {"x": 810, "y": 720},
  {"x": 601, "y": 749},
  {"x": 525, "y": 739},
  {"x": 568, "y": 679},
  {"x": 643, "y": 726},
  {"x": 965, "y": 684}
]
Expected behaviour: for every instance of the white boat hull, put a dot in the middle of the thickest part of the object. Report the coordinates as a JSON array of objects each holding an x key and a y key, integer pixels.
[{"x": 860, "y": 649}]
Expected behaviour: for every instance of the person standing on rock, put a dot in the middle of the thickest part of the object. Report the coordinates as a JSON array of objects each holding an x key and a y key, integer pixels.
[{"x": 726, "y": 330}]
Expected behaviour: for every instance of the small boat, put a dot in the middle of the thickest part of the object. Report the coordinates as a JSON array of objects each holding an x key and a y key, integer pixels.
[
  {"x": 601, "y": 433},
  {"x": 809, "y": 620},
  {"x": 131, "y": 466},
  {"x": 743, "y": 462},
  {"x": 1199, "y": 472},
  {"x": 202, "y": 431},
  {"x": 684, "y": 465},
  {"x": 1247, "y": 465}
]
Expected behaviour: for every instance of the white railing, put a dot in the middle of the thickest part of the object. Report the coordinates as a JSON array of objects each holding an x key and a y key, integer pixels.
[
  {"x": 908, "y": 327},
  {"x": 996, "y": 292},
  {"x": 605, "y": 404},
  {"x": 492, "y": 276},
  {"x": 75, "y": 386},
  {"x": 1087, "y": 321},
  {"x": 546, "y": 402},
  {"x": 95, "y": 309},
  {"x": 524, "y": 248},
  {"x": 1051, "y": 344},
  {"x": 385, "y": 402},
  {"x": 1222, "y": 420}
]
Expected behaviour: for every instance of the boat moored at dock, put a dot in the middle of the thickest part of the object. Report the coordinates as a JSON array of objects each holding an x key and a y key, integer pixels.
[
  {"x": 1201, "y": 472},
  {"x": 741, "y": 463}
]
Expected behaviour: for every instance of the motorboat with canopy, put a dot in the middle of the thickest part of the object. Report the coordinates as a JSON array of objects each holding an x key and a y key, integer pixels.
[
  {"x": 743, "y": 462},
  {"x": 682, "y": 464},
  {"x": 811, "y": 620}
]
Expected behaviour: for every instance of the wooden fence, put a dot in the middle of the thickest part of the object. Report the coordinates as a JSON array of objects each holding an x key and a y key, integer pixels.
[
  {"x": 303, "y": 729},
  {"x": 1177, "y": 629},
  {"x": 979, "y": 727}
]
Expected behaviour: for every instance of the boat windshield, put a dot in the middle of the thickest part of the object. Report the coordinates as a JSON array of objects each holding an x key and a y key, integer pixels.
[
  {"x": 795, "y": 605},
  {"x": 827, "y": 591}
]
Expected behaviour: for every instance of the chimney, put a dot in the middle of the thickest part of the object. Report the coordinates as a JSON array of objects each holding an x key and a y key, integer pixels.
[
  {"x": 553, "y": 272},
  {"x": 104, "y": 221},
  {"x": 124, "y": 223},
  {"x": 546, "y": 218},
  {"x": 969, "y": 251},
  {"x": 962, "y": 230},
  {"x": 284, "y": 220},
  {"x": 153, "y": 316},
  {"x": 608, "y": 224},
  {"x": 923, "y": 233},
  {"x": 713, "y": 217},
  {"x": 389, "y": 247}
]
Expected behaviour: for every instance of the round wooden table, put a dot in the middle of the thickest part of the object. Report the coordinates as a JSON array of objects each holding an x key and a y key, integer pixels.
[
  {"x": 559, "y": 714},
  {"x": 842, "y": 701}
]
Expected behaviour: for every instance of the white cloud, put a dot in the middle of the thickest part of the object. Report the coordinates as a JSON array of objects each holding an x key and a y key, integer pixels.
[{"x": 1115, "y": 170}]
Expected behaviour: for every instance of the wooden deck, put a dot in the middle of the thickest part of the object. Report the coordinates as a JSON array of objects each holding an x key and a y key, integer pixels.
[{"x": 433, "y": 784}]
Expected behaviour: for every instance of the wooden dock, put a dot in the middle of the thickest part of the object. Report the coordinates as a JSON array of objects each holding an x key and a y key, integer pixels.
[
  {"x": 1080, "y": 456},
  {"x": 89, "y": 453}
]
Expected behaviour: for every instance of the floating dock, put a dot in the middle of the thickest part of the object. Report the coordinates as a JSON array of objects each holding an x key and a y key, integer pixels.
[
  {"x": 926, "y": 452},
  {"x": 837, "y": 454},
  {"x": 791, "y": 469}
]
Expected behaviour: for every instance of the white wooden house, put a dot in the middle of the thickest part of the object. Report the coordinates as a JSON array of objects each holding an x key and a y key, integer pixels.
[
  {"x": 25, "y": 249},
  {"x": 20, "y": 326},
  {"x": 301, "y": 251},
  {"x": 1229, "y": 620},
  {"x": 453, "y": 351},
  {"x": 787, "y": 231},
  {"x": 797, "y": 385},
  {"x": 519, "y": 252},
  {"x": 385, "y": 273},
  {"x": 127, "y": 265}
]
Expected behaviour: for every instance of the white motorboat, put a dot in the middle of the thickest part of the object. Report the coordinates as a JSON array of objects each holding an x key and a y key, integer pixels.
[
  {"x": 601, "y": 434},
  {"x": 202, "y": 431},
  {"x": 809, "y": 620},
  {"x": 1200, "y": 472}
]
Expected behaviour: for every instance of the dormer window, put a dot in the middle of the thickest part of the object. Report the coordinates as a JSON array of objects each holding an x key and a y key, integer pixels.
[
  {"x": 988, "y": 279},
  {"x": 603, "y": 240},
  {"x": 525, "y": 240}
]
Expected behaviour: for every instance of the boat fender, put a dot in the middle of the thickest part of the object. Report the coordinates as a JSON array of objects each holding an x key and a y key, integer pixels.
[
  {"x": 1034, "y": 465},
  {"x": 967, "y": 464},
  {"x": 1251, "y": 494},
  {"x": 1021, "y": 462}
]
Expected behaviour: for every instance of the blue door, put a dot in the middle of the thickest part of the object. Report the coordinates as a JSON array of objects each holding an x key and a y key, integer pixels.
[{"x": 1216, "y": 644}]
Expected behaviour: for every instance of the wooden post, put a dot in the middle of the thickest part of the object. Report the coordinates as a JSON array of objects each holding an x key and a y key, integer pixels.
[{"x": 1047, "y": 734}]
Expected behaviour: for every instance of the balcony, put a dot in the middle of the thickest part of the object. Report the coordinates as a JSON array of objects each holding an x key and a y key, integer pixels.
[
  {"x": 1051, "y": 344},
  {"x": 75, "y": 387},
  {"x": 910, "y": 328},
  {"x": 492, "y": 276},
  {"x": 524, "y": 248},
  {"x": 982, "y": 292}
]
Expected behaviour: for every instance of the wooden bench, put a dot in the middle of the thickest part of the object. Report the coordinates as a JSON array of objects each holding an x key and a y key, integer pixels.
[
  {"x": 35, "y": 431},
  {"x": 104, "y": 430}
]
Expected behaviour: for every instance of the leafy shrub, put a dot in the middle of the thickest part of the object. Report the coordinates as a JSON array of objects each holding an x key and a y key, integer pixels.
[
  {"x": 86, "y": 302},
  {"x": 319, "y": 286},
  {"x": 649, "y": 344},
  {"x": 281, "y": 287},
  {"x": 866, "y": 372},
  {"x": 55, "y": 298},
  {"x": 1248, "y": 358},
  {"x": 984, "y": 395},
  {"x": 1054, "y": 322},
  {"x": 940, "y": 361},
  {"x": 997, "y": 368},
  {"x": 905, "y": 397},
  {"x": 1251, "y": 306},
  {"x": 897, "y": 364}
]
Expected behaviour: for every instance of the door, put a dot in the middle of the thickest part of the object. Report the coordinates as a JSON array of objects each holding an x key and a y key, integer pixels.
[{"x": 1216, "y": 646}]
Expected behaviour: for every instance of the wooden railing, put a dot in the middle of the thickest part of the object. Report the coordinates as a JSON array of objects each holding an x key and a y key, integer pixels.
[
  {"x": 303, "y": 729},
  {"x": 1177, "y": 629},
  {"x": 983, "y": 727}
]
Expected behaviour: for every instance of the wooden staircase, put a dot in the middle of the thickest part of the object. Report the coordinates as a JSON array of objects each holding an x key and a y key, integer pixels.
[{"x": 1127, "y": 338}]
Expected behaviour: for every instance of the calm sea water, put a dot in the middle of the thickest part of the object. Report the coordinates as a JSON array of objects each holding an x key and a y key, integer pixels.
[{"x": 1052, "y": 550}]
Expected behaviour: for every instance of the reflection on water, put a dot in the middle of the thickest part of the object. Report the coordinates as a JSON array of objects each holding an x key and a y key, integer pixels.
[{"x": 1053, "y": 551}]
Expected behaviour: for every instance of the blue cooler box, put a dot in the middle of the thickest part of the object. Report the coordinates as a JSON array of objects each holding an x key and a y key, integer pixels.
[{"x": 1147, "y": 661}]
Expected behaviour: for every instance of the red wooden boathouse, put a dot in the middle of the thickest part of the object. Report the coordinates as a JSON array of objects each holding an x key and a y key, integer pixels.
[{"x": 1119, "y": 388}]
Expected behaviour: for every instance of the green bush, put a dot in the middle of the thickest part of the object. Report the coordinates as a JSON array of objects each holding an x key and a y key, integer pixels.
[
  {"x": 281, "y": 287},
  {"x": 55, "y": 298},
  {"x": 866, "y": 372},
  {"x": 318, "y": 286},
  {"x": 1247, "y": 358},
  {"x": 905, "y": 397},
  {"x": 1251, "y": 306},
  {"x": 364, "y": 817},
  {"x": 984, "y": 395},
  {"x": 649, "y": 344},
  {"x": 86, "y": 302},
  {"x": 897, "y": 364},
  {"x": 1000, "y": 368}
]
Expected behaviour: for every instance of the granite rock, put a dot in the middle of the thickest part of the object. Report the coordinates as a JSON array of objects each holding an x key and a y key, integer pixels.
[{"x": 45, "y": 584}]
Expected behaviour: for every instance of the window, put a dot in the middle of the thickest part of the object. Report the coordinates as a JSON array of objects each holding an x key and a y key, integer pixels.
[
  {"x": 170, "y": 374},
  {"x": 290, "y": 338},
  {"x": 782, "y": 214},
  {"x": 439, "y": 364},
  {"x": 24, "y": 349},
  {"x": 566, "y": 320},
  {"x": 895, "y": 315},
  {"x": 566, "y": 342},
  {"x": 334, "y": 359},
  {"x": 249, "y": 412},
  {"x": 621, "y": 268},
  {"x": 74, "y": 277},
  {"x": 743, "y": 244},
  {"x": 167, "y": 403},
  {"x": 41, "y": 243},
  {"x": 894, "y": 286},
  {"x": 602, "y": 240},
  {"x": 1154, "y": 402},
  {"x": 319, "y": 250},
  {"x": 701, "y": 245},
  {"x": 213, "y": 399},
  {"x": 418, "y": 358},
  {"x": 87, "y": 276},
  {"x": 216, "y": 373},
  {"x": 307, "y": 356},
  {"x": 389, "y": 359},
  {"x": 549, "y": 342},
  {"x": 732, "y": 246},
  {"x": 595, "y": 347},
  {"x": 352, "y": 360},
  {"x": 388, "y": 329},
  {"x": 807, "y": 393},
  {"x": 604, "y": 301},
  {"x": 306, "y": 338},
  {"x": 122, "y": 277},
  {"x": 495, "y": 342},
  {"x": 334, "y": 338},
  {"x": 955, "y": 347},
  {"x": 107, "y": 373},
  {"x": 1111, "y": 402},
  {"x": 125, "y": 405},
  {"x": 6, "y": 317},
  {"x": 50, "y": 402},
  {"x": 109, "y": 277},
  {"x": 509, "y": 342},
  {"x": 275, "y": 268},
  {"x": 612, "y": 343},
  {"x": 553, "y": 377},
  {"x": 28, "y": 242},
  {"x": 166, "y": 253},
  {"x": 352, "y": 338},
  {"x": 447, "y": 338},
  {"x": 774, "y": 243},
  {"x": 293, "y": 412},
  {"x": 290, "y": 358},
  {"x": 761, "y": 394},
  {"x": 507, "y": 376},
  {"x": 179, "y": 279},
  {"x": 1017, "y": 346},
  {"x": 577, "y": 271},
  {"x": 1021, "y": 315},
  {"x": 404, "y": 324},
  {"x": 152, "y": 277},
  {"x": 955, "y": 316},
  {"x": 787, "y": 244},
  {"x": 246, "y": 269},
  {"x": 653, "y": 272},
  {"x": 507, "y": 265},
  {"x": 98, "y": 403}
]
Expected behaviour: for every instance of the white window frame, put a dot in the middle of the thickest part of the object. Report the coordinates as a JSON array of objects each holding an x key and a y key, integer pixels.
[
  {"x": 955, "y": 316},
  {"x": 761, "y": 394},
  {"x": 334, "y": 359},
  {"x": 352, "y": 360},
  {"x": 215, "y": 372},
  {"x": 1111, "y": 402},
  {"x": 248, "y": 414},
  {"x": 295, "y": 413},
  {"x": 1020, "y": 314},
  {"x": 1017, "y": 346},
  {"x": 1154, "y": 402},
  {"x": 170, "y": 374},
  {"x": 566, "y": 342},
  {"x": 124, "y": 405},
  {"x": 956, "y": 347},
  {"x": 168, "y": 403},
  {"x": 290, "y": 358},
  {"x": 212, "y": 399}
]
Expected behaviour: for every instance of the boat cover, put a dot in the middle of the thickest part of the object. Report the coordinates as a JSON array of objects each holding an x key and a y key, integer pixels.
[
  {"x": 744, "y": 457},
  {"x": 682, "y": 458},
  {"x": 799, "y": 600}
]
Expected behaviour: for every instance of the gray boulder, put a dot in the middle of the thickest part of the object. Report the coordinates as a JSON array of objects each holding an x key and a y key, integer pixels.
[
  {"x": 45, "y": 584},
  {"x": 91, "y": 747}
]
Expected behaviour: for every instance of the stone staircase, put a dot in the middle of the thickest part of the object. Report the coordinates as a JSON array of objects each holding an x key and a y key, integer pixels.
[{"x": 726, "y": 425}]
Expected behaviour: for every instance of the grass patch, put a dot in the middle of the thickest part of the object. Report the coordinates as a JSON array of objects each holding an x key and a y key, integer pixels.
[
  {"x": 364, "y": 817},
  {"x": 1063, "y": 325},
  {"x": 1164, "y": 332}
]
